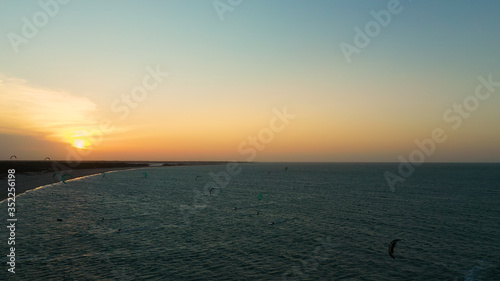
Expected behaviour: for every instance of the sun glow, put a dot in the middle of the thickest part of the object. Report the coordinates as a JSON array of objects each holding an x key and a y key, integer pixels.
[{"x": 79, "y": 144}]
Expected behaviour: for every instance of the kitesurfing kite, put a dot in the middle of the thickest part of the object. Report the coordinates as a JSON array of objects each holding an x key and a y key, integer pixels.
[
  {"x": 64, "y": 177},
  {"x": 211, "y": 190},
  {"x": 13, "y": 156},
  {"x": 47, "y": 158},
  {"x": 391, "y": 247}
]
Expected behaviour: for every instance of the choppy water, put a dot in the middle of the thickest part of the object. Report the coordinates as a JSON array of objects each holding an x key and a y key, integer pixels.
[{"x": 331, "y": 222}]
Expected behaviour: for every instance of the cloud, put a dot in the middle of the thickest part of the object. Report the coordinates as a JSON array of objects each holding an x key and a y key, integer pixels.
[{"x": 35, "y": 111}]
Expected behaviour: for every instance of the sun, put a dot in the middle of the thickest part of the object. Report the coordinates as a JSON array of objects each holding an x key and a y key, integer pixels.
[{"x": 79, "y": 144}]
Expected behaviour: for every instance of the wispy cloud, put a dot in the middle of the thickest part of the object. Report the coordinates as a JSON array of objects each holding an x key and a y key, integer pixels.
[{"x": 29, "y": 110}]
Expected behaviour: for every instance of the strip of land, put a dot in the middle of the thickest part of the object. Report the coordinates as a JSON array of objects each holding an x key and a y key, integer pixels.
[{"x": 33, "y": 174}]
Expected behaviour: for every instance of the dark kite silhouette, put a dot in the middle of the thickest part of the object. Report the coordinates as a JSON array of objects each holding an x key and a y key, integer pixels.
[
  {"x": 391, "y": 247},
  {"x": 211, "y": 191}
]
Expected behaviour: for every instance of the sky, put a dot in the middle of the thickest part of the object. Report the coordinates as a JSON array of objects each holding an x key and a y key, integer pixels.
[{"x": 294, "y": 80}]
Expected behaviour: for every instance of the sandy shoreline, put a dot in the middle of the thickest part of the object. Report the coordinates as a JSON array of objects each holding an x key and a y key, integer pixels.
[
  {"x": 32, "y": 180},
  {"x": 32, "y": 174}
]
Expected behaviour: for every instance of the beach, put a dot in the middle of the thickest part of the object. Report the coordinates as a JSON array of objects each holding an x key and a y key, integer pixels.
[{"x": 32, "y": 174}]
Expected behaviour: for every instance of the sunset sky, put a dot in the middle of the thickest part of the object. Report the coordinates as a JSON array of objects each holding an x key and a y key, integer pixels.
[{"x": 90, "y": 77}]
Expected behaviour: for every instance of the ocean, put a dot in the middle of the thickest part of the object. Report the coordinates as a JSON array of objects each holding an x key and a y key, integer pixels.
[{"x": 264, "y": 221}]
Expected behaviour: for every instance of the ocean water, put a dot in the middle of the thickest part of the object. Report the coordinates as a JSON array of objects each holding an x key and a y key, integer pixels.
[{"x": 310, "y": 222}]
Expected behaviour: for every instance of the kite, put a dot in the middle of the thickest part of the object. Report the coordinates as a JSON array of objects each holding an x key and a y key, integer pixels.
[
  {"x": 47, "y": 158},
  {"x": 64, "y": 177},
  {"x": 391, "y": 247},
  {"x": 211, "y": 190},
  {"x": 13, "y": 156}
]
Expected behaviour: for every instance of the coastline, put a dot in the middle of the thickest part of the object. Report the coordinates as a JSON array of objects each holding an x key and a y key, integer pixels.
[
  {"x": 33, "y": 174},
  {"x": 29, "y": 181}
]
